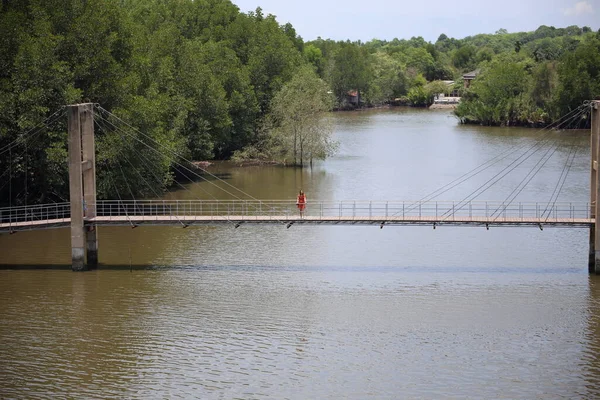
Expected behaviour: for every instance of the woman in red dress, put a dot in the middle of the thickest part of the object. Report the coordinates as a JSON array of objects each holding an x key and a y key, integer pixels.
[{"x": 301, "y": 202}]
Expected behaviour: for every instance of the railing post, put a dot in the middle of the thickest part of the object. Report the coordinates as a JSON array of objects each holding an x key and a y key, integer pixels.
[{"x": 520, "y": 211}]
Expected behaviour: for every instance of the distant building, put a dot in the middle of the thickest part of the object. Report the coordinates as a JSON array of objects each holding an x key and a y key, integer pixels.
[
  {"x": 468, "y": 77},
  {"x": 443, "y": 101},
  {"x": 452, "y": 91},
  {"x": 453, "y": 96}
]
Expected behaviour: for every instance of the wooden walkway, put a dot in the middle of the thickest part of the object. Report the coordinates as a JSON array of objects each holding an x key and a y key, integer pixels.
[
  {"x": 191, "y": 220},
  {"x": 189, "y": 213}
]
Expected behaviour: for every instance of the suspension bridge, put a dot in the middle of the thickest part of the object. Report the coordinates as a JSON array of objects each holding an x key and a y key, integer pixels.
[{"x": 84, "y": 213}]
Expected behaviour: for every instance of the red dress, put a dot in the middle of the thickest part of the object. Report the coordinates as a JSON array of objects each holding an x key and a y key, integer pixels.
[{"x": 301, "y": 202}]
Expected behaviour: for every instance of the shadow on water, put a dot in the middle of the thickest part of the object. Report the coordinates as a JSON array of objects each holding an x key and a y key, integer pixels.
[{"x": 437, "y": 270}]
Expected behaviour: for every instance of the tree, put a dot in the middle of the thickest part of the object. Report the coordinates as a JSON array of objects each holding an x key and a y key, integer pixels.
[
  {"x": 418, "y": 96},
  {"x": 484, "y": 54},
  {"x": 300, "y": 129},
  {"x": 463, "y": 57},
  {"x": 578, "y": 76},
  {"x": 268, "y": 53},
  {"x": 543, "y": 85},
  {"x": 348, "y": 69},
  {"x": 420, "y": 59},
  {"x": 496, "y": 96},
  {"x": 388, "y": 79},
  {"x": 314, "y": 55}
]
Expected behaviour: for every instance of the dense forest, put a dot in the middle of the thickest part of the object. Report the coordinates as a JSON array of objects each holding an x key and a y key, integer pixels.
[{"x": 206, "y": 81}]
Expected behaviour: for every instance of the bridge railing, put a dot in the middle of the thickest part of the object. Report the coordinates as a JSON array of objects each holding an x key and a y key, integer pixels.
[
  {"x": 58, "y": 212},
  {"x": 281, "y": 209},
  {"x": 438, "y": 210}
]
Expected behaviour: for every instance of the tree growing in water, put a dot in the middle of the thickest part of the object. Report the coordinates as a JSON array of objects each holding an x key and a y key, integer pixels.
[
  {"x": 297, "y": 128},
  {"x": 300, "y": 127}
]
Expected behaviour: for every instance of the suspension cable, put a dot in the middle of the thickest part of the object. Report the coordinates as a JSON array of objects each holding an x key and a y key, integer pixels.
[
  {"x": 145, "y": 161},
  {"x": 9, "y": 149},
  {"x": 489, "y": 163},
  {"x": 566, "y": 171},
  {"x": 182, "y": 165},
  {"x": 138, "y": 172},
  {"x": 505, "y": 171},
  {"x": 44, "y": 124},
  {"x": 121, "y": 201},
  {"x": 530, "y": 175},
  {"x": 183, "y": 158}
]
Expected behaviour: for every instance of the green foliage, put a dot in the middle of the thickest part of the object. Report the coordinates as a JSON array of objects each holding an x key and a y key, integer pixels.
[
  {"x": 195, "y": 76},
  {"x": 516, "y": 89},
  {"x": 348, "y": 69},
  {"x": 388, "y": 80},
  {"x": 418, "y": 96},
  {"x": 298, "y": 129},
  {"x": 464, "y": 58},
  {"x": 314, "y": 55},
  {"x": 496, "y": 95},
  {"x": 200, "y": 78},
  {"x": 578, "y": 76}
]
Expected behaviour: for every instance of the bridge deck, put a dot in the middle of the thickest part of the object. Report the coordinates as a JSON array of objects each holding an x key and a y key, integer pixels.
[
  {"x": 285, "y": 219},
  {"x": 190, "y": 212}
]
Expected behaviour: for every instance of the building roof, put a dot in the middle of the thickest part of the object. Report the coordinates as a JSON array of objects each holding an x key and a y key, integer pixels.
[{"x": 471, "y": 75}]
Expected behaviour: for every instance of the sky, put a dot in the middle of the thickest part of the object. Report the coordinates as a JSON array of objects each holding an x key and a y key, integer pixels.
[{"x": 387, "y": 19}]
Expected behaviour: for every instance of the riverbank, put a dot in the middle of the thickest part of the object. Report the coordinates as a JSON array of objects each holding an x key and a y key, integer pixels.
[
  {"x": 516, "y": 124},
  {"x": 443, "y": 106}
]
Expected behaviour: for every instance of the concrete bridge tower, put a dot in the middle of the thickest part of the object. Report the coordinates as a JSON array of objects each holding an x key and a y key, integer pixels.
[
  {"x": 594, "y": 259},
  {"x": 82, "y": 185}
]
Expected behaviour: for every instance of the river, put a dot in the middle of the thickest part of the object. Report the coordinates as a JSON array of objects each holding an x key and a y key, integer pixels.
[{"x": 326, "y": 312}]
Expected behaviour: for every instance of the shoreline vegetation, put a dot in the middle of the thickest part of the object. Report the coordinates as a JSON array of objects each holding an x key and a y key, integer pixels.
[{"x": 208, "y": 82}]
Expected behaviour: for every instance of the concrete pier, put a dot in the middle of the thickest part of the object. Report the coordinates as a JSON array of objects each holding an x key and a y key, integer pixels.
[
  {"x": 76, "y": 190},
  {"x": 86, "y": 115},
  {"x": 82, "y": 182},
  {"x": 594, "y": 260}
]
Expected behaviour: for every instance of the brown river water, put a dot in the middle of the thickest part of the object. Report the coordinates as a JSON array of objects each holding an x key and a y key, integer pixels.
[{"x": 320, "y": 312}]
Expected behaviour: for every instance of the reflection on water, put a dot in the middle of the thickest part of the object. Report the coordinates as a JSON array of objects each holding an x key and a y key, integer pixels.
[
  {"x": 320, "y": 312},
  {"x": 251, "y": 332}
]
